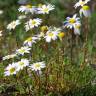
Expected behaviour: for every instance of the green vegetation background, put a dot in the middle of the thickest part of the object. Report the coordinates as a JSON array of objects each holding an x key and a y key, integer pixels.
[{"x": 63, "y": 9}]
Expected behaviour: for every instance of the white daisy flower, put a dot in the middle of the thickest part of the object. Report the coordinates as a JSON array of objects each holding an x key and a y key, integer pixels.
[
  {"x": 21, "y": 17},
  {"x": 1, "y": 33},
  {"x": 23, "y": 50},
  {"x": 85, "y": 10},
  {"x": 11, "y": 69},
  {"x": 45, "y": 9},
  {"x": 72, "y": 21},
  {"x": 30, "y": 41},
  {"x": 37, "y": 66},
  {"x": 81, "y": 3},
  {"x": 51, "y": 35},
  {"x": 27, "y": 9},
  {"x": 23, "y": 63},
  {"x": 32, "y": 23},
  {"x": 1, "y": 12},
  {"x": 27, "y": 27},
  {"x": 9, "y": 56},
  {"x": 13, "y": 24}
]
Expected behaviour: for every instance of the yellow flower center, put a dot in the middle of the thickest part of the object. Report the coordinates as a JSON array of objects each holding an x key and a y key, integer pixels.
[
  {"x": 86, "y": 7},
  {"x": 61, "y": 34},
  {"x": 29, "y": 39},
  {"x": 28, "y": 6},
  {"x": 33, "y": 22},
  {"x": 21, "y": 63},
  {"x": 37, "y": 65},
  {"x": 12, "y": 70},
  {"x": 14, "y": 24},
  {"x": 45, "y": 10},
  {"x": 21, "y": 50},
  {"x": 50, "y": 34},
  {"x": 72, "y": 20},
  {"x": 44, "y": 28}
]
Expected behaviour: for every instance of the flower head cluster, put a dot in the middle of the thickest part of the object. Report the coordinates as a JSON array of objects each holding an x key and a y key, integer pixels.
[
  {"x": 27, "y": 9},
  {"x": 15, "y": 67},
  {"x": 52, "y": 34},
  {"x": 21, "y": 64},
  {"x": 13, "y": 24},
  {"x": 84, "y": 8},
  {"x": 47, "y": 33},
  {"x": 30, "y": 41},
  {"x": 41, "y": 9},
  {"x": 37, "y": 66},
  {"x": 32, "y": 23},
  {"x": 23, "y": 50},
  {"x": 73, "y": 23},
  {"x": 11, "y": 69},
  {"x": 45, "y": 9},
  {"x": 81, "y": 3},
  {"x": 9, "y": 56}
]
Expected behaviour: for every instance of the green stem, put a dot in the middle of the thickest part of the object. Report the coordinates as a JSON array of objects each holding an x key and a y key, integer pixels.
[{"x": 71, "y": 55}]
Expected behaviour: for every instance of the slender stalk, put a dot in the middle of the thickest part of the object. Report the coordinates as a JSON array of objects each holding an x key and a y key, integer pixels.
[
  {"x": 71, "y": 49},
  {"x": 58, "y": 66},
  {"x": 86, "y": 39},
  {"x": 39, "y": 83},
  {"x": 77, "y": 46},
  {"x": 28, "y": 84},
  {"x": 46, "y": 78},
  {"x": 87, "y": 29}
]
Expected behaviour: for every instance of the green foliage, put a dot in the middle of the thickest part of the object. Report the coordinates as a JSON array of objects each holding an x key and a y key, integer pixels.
[{"x": 60, "y": 78}]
